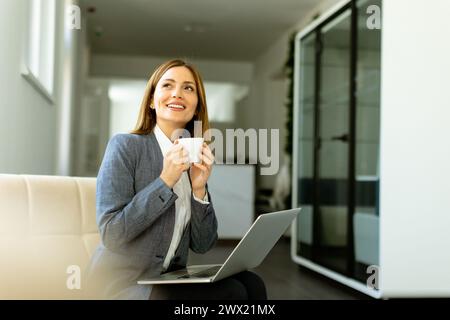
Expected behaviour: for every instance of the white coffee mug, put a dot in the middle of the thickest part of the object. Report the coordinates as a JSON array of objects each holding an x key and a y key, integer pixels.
[{"x": 193, "y": 146}]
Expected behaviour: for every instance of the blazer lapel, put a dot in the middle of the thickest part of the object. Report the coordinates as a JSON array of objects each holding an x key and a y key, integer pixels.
[{"x": 157, "y": 153}]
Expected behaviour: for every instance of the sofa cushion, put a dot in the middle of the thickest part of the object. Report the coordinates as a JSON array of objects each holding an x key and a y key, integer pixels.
[{"x": 47, "y": 235}]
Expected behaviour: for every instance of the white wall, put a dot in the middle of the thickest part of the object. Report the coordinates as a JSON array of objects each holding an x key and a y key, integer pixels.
[
  {"x": 268, "y": 92},
  {"x": 125, "y": 97},
  {"x": 415, "y": 148},
  {"x": 30, "y": 136},
  {"x": 27, "y": 119},
  {"x": 93, "y": 127}
]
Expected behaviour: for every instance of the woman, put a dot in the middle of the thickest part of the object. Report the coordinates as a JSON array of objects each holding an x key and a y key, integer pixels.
[{"x": 152, "y": 205}]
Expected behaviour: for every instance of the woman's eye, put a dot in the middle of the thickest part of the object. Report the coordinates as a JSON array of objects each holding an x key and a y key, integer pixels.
[
  {"x": 165, "y": 85},
  {"x": 190, "y": 88}
]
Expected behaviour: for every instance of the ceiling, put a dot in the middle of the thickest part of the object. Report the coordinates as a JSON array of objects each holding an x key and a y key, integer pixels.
[{"x": 238, "y": 30}]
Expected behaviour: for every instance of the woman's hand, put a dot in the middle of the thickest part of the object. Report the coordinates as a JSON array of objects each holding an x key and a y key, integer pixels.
[
  {"x": 176, "y": 161},
  {"x": 200, "y": 172}
]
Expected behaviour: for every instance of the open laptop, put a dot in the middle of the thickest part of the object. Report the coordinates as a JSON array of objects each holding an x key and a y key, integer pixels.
[{"x": 248, "y": 254}]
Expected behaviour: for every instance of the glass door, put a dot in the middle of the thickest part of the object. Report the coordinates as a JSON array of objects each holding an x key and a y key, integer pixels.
[
  {"x": 331, "y": 213},
  {"x": 323, "y": 144},
  {"x": 305, "y": 164},
  {"x": 367, "y": 108},
  {"x": 338, "y": 141}
]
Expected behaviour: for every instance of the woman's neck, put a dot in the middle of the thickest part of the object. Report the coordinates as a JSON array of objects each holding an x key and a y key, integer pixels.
[{"x": 167, "y": 128}]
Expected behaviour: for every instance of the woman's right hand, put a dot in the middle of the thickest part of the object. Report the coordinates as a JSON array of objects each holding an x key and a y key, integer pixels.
[{"x": 176, "y": 161}]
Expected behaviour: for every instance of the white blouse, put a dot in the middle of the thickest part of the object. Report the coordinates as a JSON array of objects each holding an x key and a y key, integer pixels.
[{"x": 183, "y": 203}]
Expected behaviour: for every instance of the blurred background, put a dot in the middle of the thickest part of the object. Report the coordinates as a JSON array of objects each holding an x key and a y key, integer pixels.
[
  {"x": 72, "y": 82},
  {"x": 364, "y": 151}
]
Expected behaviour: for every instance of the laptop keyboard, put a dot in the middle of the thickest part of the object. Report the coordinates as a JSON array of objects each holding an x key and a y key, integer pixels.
[{"x": 204, "y": 273}]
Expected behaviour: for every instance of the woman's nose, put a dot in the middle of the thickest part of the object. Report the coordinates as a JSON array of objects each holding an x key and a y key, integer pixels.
[{"x": 176, "y": 93}]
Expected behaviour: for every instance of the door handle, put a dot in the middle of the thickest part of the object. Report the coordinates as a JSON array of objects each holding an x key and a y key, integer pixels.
[{"x": 343, "y": 138}]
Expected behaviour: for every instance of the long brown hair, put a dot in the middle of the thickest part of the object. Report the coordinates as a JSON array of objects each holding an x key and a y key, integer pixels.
[{"x": 147, "y": 116}]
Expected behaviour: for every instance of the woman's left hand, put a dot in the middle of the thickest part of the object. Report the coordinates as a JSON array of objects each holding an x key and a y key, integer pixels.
[{"x": 199, "y": 172}]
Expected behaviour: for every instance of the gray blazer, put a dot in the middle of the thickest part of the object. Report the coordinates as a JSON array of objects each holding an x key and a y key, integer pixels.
[{"x": 136, "y": 216}]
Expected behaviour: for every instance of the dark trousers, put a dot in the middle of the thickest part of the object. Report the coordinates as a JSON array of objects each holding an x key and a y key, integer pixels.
[{"x": 242, "y": 286}]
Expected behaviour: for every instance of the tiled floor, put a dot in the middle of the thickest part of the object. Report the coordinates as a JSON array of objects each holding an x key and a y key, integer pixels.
[{"x": 284, "y": 279}]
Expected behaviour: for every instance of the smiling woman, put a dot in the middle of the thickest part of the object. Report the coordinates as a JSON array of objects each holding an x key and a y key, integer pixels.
[
  {"x": 175, "y": 98},
  {"x": 175, "y": 86},
  {"x": 152, "y": 201}
]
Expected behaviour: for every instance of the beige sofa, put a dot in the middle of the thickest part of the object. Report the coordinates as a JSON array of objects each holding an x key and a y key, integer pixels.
[{"x": 47, "y": 236}]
